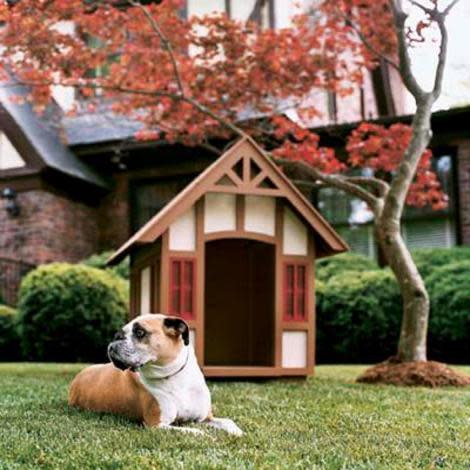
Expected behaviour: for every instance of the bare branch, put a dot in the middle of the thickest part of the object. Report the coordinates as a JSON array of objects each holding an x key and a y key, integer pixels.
[
  {"x": 405, "y": 62},
  {"x": 337, "y": 181}
]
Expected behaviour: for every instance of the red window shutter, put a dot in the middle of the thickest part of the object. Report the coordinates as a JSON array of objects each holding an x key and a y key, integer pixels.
[
  {"x": 295, "y": 292},
  {"x": 182, "y": 290}
]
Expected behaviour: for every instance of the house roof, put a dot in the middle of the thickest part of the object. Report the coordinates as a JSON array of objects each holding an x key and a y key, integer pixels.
[
  {"x": 269, "y": 181},
  {"x": 42, "y": 137}
]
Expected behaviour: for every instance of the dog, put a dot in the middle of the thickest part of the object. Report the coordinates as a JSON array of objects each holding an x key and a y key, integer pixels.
[{"x": 153, "y": 377}]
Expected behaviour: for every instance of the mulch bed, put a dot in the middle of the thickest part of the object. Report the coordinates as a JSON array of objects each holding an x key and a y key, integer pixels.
[{"x": 419, "y": 373}]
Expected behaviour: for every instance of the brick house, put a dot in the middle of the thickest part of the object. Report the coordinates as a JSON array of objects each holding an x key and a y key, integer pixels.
[{"x": 75, "y": 186}]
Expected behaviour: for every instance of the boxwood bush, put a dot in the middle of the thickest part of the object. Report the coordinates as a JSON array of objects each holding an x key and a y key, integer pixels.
[
  {"x": 328, "y": 267},
  {"x": 358, "y": 317},
  {"x": 10, "y": 349},
  {"x": 429, "y": 259},
  {"x": 449, "y": 323},
  {"x": 70, "y": 312},
  {"x": 99, "y": 261}
]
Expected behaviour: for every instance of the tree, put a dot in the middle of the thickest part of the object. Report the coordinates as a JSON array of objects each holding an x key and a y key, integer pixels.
[{"x": 202, "y": 79}]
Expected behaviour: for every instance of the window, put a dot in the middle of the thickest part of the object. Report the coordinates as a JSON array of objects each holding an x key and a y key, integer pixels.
[
  {"x": 9, "y": 157},
  {"x": 182, "y": 288},
  {"x": 149, "y": 196},
  {"x": 421, "y": 227},
  {"x": 295, "y": 292}
]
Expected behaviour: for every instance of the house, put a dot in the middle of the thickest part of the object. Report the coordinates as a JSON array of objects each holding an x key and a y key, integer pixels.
[
  {"x": 234, "y": 255},
  {"x": 73, "y": 186}
]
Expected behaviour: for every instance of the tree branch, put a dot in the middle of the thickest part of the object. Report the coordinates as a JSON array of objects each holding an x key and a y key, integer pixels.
[
  {"x": 337, "y": 181},
  {"x": 405, "y": 62},
  {"x": 164, "y": 40},
  {"x": 367, "y": 43}
]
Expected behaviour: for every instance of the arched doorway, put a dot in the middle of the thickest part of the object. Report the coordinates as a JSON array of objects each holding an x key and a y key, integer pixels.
[{"x": 239, "y": 303}]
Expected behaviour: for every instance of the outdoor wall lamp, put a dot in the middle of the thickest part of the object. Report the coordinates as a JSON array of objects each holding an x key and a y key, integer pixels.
[{"x": 11, "y": 206}]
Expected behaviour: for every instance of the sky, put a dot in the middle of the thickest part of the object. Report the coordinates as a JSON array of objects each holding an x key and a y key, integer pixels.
[{"x": 456, "y": 86}]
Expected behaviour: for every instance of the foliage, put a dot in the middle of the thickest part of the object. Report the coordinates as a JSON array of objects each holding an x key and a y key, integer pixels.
[
  {"x": 70, "y": 312},
  {"x": 428, "y": 259},
  {"x": 351, "y": 426},
  {"x": 234, "y": 68},
  {"x": 326, "y": 268},
  {"x": 99, "y": 261},
  {"x": 9, "y": 339},
  {"x": 449, "y": 323},
  {"x": 358, "y": 317}
]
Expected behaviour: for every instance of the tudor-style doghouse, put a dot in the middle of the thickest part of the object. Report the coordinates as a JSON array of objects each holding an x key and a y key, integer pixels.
[{"x": 234, "y": 255}]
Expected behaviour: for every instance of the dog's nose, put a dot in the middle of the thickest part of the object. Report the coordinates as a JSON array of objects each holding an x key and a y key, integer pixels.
[{"x": 119, "y": 335}]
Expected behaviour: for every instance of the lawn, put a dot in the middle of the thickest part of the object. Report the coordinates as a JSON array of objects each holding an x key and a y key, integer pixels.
[{"x": 324, "y": 422}]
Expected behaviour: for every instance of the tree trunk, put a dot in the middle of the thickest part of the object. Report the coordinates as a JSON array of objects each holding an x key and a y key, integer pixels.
[{"x": 414, "y": 326}]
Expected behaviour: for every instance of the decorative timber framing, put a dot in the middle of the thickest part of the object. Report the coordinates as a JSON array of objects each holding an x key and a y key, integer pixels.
[{"x": 239, "y": 223}]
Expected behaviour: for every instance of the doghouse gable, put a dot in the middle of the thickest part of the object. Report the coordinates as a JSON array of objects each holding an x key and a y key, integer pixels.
[{"x": 234, "y": 254}]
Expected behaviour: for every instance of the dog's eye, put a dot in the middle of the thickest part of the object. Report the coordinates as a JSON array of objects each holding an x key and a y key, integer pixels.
[{"x": 139, "y": 333}]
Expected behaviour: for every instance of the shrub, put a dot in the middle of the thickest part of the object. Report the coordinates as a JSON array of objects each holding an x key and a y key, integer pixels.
[
  {"x": 428, "y": 259},
  {"x": 70, "y": 312},
  {"x": 449, "y": 322},
  {"x": 358, "y": 317},
  {"x": 9, "y": 338},
  {"x": 329, "y": 267},
  {"x": 99, "y": 261}
]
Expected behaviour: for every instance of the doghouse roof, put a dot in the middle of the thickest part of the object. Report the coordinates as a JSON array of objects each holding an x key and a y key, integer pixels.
[{"x": 243, "y": 169}]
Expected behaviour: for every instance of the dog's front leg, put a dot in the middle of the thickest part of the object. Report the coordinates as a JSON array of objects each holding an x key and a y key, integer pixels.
[
  {"x": 225, "y": 424},
  {"x": 181, "y": 428}
]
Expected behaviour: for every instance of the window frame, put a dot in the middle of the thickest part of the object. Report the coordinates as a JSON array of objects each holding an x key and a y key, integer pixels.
[
  {"x": 182, "y": 288},
  {"x": 297, "y": 316}
]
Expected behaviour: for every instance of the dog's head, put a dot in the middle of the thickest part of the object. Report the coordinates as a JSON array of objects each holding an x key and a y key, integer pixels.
[{"x": 148, "y": 338}]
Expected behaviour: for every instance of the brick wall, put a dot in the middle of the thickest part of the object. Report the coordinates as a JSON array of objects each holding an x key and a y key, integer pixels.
[
  {"x": 463, "y": 158},
  {"x": 113, "y": 215},
  {"x": 49, "y": 228}
]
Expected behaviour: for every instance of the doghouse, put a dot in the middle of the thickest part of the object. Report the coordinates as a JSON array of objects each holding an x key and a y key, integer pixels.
[{"x": 234, "y": 255}]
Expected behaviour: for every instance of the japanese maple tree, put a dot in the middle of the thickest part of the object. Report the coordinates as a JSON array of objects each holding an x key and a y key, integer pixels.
[{"x": 202, "y": 80}]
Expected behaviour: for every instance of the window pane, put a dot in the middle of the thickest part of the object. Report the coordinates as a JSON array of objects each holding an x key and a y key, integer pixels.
[
  {"x": 437, "y": 233},
  {"x": 175, "y": 302},
  {"x": 300, "y": 304},
  {"x": 176, "y": 274},
  {"x": 301, "y": 277}
]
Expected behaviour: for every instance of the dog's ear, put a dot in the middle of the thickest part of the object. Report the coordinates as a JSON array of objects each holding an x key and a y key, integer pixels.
[{"x": 176, "y": 327}]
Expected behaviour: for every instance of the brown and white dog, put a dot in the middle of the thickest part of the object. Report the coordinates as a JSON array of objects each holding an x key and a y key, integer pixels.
[{"x": 153, "y": 378}]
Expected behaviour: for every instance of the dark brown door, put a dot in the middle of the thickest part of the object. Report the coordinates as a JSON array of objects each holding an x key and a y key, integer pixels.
[{"x": 239, "y": 303}]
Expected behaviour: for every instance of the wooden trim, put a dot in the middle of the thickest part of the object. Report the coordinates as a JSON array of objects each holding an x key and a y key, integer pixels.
[
  {"x": 201, "y": 266},
  {"x": 239, "y": 234},
  {"x": 258, "y": 179},
  {"x": 245, "y": 190},
  {"x": 295, "y": 325},
  {"x": 246, "y": 371},
  {"x": 164, "y": 273},
  {"x": 248, "y": 150},
  {"x": 234, "y": 177},
  {"x": 278, "y": 284},
  {"x": 312, "y": 324}
]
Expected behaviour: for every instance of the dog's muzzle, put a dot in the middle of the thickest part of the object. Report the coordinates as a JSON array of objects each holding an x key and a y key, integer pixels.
[{"x": 116, "y": 359}]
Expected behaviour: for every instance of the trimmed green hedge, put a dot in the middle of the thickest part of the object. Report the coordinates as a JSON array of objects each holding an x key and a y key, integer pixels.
[
  {"x": 99, "y": 261},
  {"x": 358, "y": 317},
  {"x": 329, "y": 267},
  {"x": 449, "y": 322},
  {"x": 10, "y": 349},
  {"x": 359, "y": 311},
  {"x": 70, "y": 312},
  {"x": 429, "y": 259}
]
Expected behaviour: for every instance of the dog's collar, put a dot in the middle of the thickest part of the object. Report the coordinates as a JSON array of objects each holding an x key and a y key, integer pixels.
[{"x": 155, "y": 372}]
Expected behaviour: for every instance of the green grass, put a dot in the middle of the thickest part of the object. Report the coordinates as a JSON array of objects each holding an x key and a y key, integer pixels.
[{"x": 325, "y": 422}]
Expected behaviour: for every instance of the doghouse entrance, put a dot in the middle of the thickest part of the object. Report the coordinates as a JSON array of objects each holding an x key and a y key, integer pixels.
[{"x": 239, "y": 303}]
